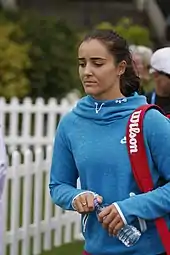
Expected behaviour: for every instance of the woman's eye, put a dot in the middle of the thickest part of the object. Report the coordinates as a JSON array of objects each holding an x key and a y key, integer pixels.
[
  {"x": 98, "y": 64},
  {"x": 82, "y": 64}
]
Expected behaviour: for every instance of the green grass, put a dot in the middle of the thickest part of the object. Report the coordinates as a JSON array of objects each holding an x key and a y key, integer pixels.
[{"x": 74, "y": 248}]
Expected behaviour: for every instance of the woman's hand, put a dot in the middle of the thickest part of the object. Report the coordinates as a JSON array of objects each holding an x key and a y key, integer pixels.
[
  {"x": 84, "y": 203},
  {"x": 111, "y": 219}
]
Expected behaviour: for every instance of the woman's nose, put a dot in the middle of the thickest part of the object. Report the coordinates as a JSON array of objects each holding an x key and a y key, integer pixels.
[{"x": 87, "y": 70}]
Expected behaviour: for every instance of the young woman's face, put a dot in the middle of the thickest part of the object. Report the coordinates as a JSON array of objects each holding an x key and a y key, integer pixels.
[{"x": 98, "y": 72}]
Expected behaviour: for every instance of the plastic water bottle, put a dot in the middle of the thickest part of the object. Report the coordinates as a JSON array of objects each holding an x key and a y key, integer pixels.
[{"x": 128, "y": 235}]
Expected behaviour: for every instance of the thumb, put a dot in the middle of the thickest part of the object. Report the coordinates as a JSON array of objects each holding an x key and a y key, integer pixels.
[{"x": 99, "y": 199}]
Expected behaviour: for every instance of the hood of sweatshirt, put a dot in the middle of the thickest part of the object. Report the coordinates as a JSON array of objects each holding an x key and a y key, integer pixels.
[{"x": 106, "y": 111}]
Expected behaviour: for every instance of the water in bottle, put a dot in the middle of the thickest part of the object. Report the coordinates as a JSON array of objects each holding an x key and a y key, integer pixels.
[{"x": 128, "y": 235}]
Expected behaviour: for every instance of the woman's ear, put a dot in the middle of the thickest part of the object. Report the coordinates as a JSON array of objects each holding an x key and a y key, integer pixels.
[{"x": 122, "y": 67}]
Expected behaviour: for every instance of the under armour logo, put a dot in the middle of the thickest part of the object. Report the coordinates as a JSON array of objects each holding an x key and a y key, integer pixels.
[
  {"x": 119, "y": 101},
  {"x": 123, "y": 140}
]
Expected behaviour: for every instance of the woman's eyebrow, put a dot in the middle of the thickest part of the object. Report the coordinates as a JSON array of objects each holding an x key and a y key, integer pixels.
[
  {"x": 98, "y": 58},
  {"x": 93, "y": 58}
]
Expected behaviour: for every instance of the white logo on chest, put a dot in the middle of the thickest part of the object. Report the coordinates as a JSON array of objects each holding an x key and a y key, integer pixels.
[{"x": 123, "y": 140}]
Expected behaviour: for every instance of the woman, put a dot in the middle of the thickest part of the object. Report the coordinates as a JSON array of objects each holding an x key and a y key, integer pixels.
[{"x": 90, "y": 143}]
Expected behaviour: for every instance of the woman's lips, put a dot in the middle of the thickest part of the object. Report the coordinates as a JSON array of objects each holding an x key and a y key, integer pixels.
[{"x": 90, "y": 83}]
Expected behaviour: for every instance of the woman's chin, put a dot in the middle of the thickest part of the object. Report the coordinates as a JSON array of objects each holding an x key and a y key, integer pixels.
[{"x": 91, "y": 91}]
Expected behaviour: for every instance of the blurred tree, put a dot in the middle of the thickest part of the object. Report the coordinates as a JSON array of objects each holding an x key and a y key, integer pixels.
[
  {"x": 53, "y": 55},
  {"x": 134, "y": 34},
  {"x": 53, "y": 45},
  {"x": 14, "y": 61}
]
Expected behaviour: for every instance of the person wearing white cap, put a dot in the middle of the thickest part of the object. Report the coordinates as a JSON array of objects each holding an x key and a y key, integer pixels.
[{"x": 160, "y": 69}]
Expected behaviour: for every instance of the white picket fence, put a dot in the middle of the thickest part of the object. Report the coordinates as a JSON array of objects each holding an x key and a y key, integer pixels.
[
  {"x": 32, "y": 222},
  {"x": 30, "y": 124}
]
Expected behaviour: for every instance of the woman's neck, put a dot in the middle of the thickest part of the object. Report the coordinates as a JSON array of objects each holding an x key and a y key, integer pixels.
[{"x": 109, "y": 95}]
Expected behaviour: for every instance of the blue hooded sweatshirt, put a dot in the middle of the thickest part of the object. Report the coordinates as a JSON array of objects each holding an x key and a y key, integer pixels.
[{"x": 90, "y": 143}]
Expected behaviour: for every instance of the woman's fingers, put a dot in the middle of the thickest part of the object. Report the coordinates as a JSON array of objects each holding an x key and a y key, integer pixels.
[{"x": 84, "y": 203}]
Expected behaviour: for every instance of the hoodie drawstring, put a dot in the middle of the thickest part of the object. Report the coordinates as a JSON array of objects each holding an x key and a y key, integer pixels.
[{"x": 97, "y": 109}]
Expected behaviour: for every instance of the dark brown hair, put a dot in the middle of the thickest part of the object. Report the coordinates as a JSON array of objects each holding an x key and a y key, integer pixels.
[{"x": 118, "y": 47}]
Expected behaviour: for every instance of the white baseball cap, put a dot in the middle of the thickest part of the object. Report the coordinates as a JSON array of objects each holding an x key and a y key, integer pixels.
[{"x": 160, "y": 61}]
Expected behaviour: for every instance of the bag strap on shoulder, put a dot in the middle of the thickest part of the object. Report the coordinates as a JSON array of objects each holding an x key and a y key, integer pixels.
[{"x": 139, "y": 163}]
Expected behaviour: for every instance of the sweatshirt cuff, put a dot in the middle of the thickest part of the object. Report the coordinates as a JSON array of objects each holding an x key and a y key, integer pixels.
[
  {"x": 120, "y": 213},
  {"x": 81, "y": 193}
]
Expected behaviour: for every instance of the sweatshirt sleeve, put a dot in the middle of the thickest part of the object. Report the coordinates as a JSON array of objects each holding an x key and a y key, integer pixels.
[
  {"x": 156, "y": 203},
  {"x": 63, "y": 174}
]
